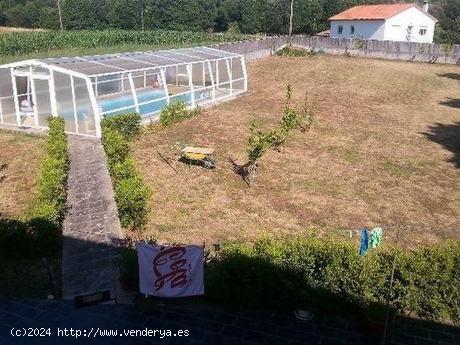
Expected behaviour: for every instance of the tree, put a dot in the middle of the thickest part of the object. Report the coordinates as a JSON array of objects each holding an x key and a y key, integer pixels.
[
  {"x": 125, "y": 14},
  {"x": 247, "y": 16},
  {"x": 86, "y": 14},
  {"x": 253, "y": 17}
]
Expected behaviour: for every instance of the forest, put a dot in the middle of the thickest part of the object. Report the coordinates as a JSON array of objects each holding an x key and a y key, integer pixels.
[{"x": 237, "y": 16}]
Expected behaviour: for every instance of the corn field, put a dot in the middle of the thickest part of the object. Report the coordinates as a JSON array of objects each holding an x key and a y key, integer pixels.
[{"x": 19, "y": 43}]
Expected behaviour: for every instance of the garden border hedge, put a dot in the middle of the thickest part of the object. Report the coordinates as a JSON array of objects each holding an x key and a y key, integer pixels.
[
  {"x": 131, "y": 193},
  {"x": 328, "y": 274}
]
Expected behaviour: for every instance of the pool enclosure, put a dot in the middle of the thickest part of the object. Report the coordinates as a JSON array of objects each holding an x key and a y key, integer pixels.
[{"x": 82, "y": 90}]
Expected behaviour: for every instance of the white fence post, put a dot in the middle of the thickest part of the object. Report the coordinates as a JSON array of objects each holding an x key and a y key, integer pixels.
[
  {"x": 165, "y": 86},
  {"x": 52, "y": 89},
  {"x": 74, "y": 103},
  {"x": 34, "y": 98},
  {"x": 15, "y": 97},
  {"x": 133, "y": 91},
  {"x": 96, "y": 112},
  {"x": 212, "y": 80},
  {"x": 190, "y": 83}
]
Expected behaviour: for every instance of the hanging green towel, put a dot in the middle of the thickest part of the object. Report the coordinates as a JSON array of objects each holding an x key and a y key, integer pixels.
[{"x": 376, "y": 237}]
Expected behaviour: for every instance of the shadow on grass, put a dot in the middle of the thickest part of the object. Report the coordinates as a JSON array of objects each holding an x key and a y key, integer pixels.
[
  {"x": 200, "y": 163},
  {"x": 451, "y": 102},
  {"x": 2, "y": 175},
  {"x": 240, "y": 169},
  {"x": 29, "y": 253},
  {"x": 447, "y": 135},
  {"x": 455, "y": 76}
]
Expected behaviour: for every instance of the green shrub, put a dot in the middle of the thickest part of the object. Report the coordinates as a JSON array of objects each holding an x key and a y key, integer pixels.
[
  {"x": 131, "y": 194},
  {"x": 52, "y": 184},
  {"x": 52, "y": 190},
  {"x": 132, "y": 197},
  {"x": 126, "y": 124},
  {"x": 123, "y": 170},
  {"x": 286, "y": 274},
  {"x": 291, "y": 51},
  {"x": 116, "y": 146},
  {"x": 129, "y": 267},
  {"x": 175, "y": 112}
]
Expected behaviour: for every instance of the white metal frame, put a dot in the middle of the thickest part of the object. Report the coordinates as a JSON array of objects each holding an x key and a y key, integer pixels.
[{"x": 200, "y": 93}]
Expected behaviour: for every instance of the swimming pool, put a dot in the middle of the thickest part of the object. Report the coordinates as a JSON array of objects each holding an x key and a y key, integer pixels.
[
  {"x": 124, "y": 101},
  {"x": 111, "y": 104}
]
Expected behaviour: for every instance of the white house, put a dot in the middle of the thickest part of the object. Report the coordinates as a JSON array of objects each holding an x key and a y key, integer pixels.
[{"x": 392, "y": 22}]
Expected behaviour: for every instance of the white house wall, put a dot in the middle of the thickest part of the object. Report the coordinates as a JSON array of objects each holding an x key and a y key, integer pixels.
[
  {"x": 366, "y": 29},
  {"x": 396, "y": 28}
]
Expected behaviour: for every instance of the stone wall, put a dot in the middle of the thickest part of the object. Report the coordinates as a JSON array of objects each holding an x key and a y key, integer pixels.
[{"x": 408, "y": 51}]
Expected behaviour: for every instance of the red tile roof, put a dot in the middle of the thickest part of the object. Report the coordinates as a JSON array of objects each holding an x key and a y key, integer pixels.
[{"x": 372, "y": 12}]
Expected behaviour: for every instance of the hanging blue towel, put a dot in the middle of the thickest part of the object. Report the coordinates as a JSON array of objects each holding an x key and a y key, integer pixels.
[{"x": 364, "y": 242}]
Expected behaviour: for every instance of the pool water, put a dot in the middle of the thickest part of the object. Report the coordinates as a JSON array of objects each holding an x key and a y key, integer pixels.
[
  {"x": 147, "y": 96},
  {"x": 127, "y": 101}
]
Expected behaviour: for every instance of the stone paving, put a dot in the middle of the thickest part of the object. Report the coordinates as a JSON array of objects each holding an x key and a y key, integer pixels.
[
  {"x": 205, "y": 325},
  {"x": 88, "y": 259}
]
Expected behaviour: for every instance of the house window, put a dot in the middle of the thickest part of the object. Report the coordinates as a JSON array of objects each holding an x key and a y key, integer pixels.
[
  {"x": 422, "y": 31},
  {"x": 352, "y": 30},
  {"x": 340, "y": 29},
  {"x": 409, "y": 33}
]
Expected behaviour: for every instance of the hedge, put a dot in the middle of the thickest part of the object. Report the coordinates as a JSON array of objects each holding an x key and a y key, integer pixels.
[
  {"x": 40, "y": 235},
  {"x": 52, "y": 185},
  {"x": 286, "y": 274},
  {"x": 131, "y": 193},
  {"x": 329, "y": 276}
]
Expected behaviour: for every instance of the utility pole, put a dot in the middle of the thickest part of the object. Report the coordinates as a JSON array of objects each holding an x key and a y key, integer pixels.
[
  {"x": 142, "y": 19},
  {"x": 290, "y": 19},
  {"x": 60, "y": 14}
]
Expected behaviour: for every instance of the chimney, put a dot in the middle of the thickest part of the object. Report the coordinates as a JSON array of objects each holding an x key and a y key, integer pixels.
[{"x": 426, "y": 5}]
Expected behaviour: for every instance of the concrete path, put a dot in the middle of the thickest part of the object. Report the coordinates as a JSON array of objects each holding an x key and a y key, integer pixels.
[
  {"x": 205, "y": 326},
  {"x": 88, "y": 259}
]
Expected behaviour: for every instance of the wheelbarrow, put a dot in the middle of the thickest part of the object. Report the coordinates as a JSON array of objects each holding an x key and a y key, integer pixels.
[{"x": 201, "y": 155}]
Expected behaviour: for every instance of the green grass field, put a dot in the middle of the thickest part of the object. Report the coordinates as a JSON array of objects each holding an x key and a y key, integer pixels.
[{"x": 15, "y": 46}]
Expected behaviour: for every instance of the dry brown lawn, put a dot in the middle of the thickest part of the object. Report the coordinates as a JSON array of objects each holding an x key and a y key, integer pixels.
[
  {"x": 369, "y": 159},
  {"x": 20, "y": 157}
]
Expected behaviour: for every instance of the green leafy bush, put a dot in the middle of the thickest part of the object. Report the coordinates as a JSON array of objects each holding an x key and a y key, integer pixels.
[
  {"x": 116, "y": 146},
  {"x": 286, "y": 274},
  {"x": 126, "y": 124},
  {"x": 129, "y": 267},
  {"x": 52, "y": 184},
  {"x": 291, "y": 51},
  {"x": 131, "y": 194},
  {"x": 132, "y": 197},
  {"x": 123, "y": 170},
  {"x": 30, "y": 239},
  {"x": 175, "y": 112}
]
